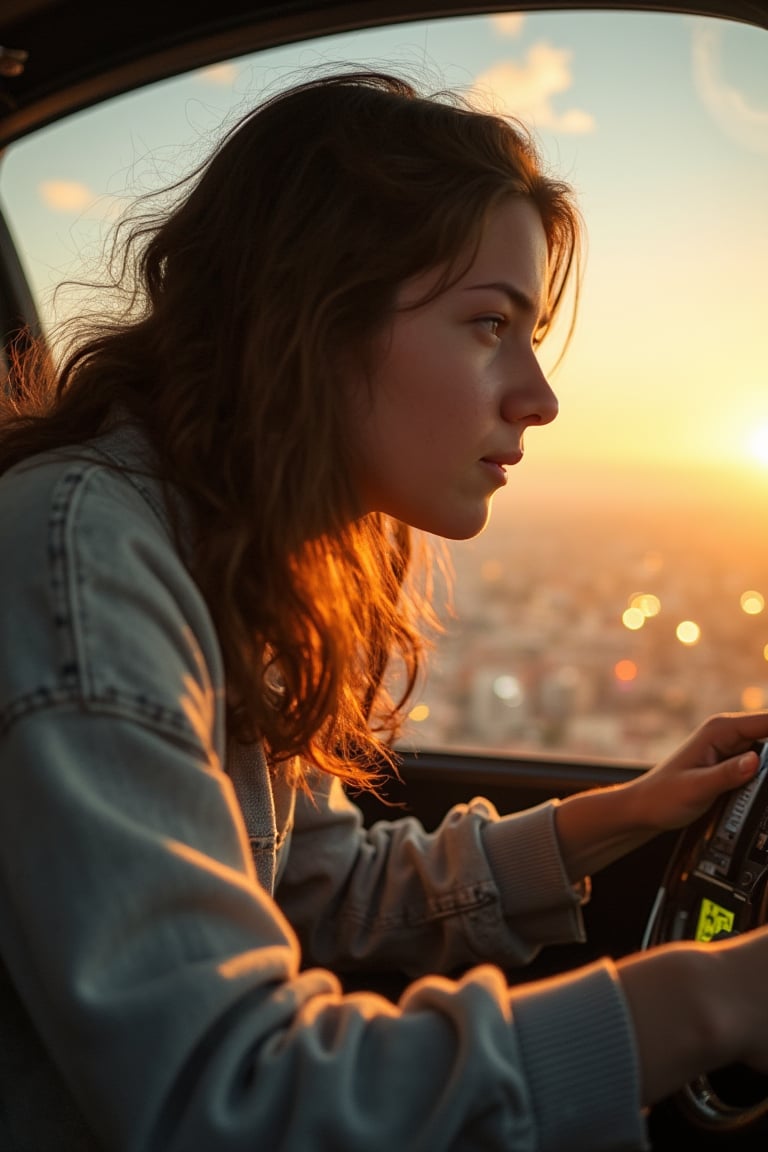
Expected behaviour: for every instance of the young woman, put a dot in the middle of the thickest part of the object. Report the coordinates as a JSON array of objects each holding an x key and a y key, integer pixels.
[{"x": 206, "y": 513}]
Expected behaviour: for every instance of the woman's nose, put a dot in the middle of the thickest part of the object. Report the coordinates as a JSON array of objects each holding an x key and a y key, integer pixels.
[{"x": 530, "y": 400}]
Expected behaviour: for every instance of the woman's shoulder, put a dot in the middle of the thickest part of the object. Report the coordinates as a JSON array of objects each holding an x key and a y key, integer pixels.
[
  {"x": 90, "y": 498},
  {"x": 119, "y": 465},
  {"x": 99, "y": 599}
]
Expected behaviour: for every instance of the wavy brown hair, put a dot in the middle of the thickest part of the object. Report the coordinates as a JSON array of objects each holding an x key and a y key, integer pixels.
[{"x": 248, "y": 306}]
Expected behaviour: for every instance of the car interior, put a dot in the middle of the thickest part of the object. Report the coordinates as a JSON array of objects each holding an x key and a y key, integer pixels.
[{"x": 620, "y": 594}]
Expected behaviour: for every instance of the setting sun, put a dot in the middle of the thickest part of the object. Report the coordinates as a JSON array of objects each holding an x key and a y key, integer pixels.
[{"x": 757, "y": 444}]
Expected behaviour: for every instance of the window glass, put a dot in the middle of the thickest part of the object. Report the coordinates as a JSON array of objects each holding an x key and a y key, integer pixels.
[{"x": 619, "y": 595}]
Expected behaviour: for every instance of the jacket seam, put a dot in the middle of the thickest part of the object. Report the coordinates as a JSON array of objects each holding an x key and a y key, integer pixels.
[
  {"x": 113, "y": 702},
  {"x": 63, "y": 503},
  {"x": 443, "y": 906},
  {"x": 76, "y": 689}
]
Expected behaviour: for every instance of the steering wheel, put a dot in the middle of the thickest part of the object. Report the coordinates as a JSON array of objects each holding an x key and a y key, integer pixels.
[{"x": 716, "y": 885}]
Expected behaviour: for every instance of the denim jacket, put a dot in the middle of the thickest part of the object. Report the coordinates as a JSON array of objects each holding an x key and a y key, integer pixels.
[{"x": 173, "y": 917}]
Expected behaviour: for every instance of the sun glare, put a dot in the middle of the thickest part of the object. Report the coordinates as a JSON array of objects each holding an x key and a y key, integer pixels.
[{"x": 758, "y": 444}]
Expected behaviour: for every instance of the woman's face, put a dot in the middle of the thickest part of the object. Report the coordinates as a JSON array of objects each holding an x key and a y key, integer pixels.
[{"x": 457, "y": 383}]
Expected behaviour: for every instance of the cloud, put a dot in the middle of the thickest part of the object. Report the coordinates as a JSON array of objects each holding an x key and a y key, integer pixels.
[
  {"x": 508, "y": 23},
  {"x": 69, "y": 197},
  {"x": 222, "y": 75},
  {"x": 525, "y": 90},
  {"x": 727, "y": 105},
  {"x": 66, "y": 195}
]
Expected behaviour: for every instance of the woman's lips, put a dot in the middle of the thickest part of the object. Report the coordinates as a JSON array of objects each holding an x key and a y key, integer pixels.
[
  {"x": 499, "y": 464},
  {"x": 497, "y": 470}
]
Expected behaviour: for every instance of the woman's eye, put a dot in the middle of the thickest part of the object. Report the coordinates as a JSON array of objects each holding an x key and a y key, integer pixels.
[{"x": 493, "y": 324}]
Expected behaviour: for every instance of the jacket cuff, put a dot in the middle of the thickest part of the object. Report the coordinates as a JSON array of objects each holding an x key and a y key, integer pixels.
[
  {"x": 524, "y": 856},
  {"x": 577, "y": 1044}
]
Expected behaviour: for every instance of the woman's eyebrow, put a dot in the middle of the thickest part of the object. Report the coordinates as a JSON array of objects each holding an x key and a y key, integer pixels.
[{"x": 515, "y": 295}]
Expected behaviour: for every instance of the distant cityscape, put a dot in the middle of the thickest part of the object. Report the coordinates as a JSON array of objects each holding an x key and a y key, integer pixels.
[{"x": 604, "y": 630}]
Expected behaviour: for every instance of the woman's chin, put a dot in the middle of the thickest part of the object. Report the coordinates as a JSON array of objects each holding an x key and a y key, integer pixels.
[{"x": 457, "y": 527}]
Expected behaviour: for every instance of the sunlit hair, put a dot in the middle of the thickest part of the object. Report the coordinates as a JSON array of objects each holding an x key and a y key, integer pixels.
[{"x": 250, "y": 309}]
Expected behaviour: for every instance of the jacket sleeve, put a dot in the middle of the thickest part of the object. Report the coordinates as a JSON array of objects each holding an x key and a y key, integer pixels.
[
  {"x": 478, "y": 888},
  {"x": 164, "y": 982}
]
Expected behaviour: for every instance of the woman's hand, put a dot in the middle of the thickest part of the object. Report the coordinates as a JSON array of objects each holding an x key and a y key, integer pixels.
[
  {"x": 595, "y": 828},
  {"x": 717, "y": 757}
]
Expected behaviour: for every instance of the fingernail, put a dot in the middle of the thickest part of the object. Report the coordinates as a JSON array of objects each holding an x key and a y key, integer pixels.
[{"x": 746, "y": 764}]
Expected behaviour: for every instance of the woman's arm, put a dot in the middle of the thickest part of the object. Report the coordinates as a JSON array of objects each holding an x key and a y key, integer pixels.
[
  {"x": 396, "y": 896},
  {"x": 697, "y": 1007}
]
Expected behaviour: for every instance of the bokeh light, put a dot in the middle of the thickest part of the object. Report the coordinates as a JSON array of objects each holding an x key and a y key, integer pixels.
[
  {"x": 646, "y": 603},
  {"x": 508, "y": 689},
  {"x": 752, "y": 602},
  {"x": 419, "y": 713},
  {"x": 633, "y": 619},
  {"x": 688, "y": 632},
  {"x": 625, "y": 671},
  {"x": 752, "y": 698}
]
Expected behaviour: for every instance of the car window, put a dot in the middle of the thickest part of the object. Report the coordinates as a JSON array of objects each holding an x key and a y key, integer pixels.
[{"x": 619, "y": 594}]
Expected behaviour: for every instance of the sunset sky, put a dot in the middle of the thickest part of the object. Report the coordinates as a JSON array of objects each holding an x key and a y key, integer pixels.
[{"x": 660, "y": 122}]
